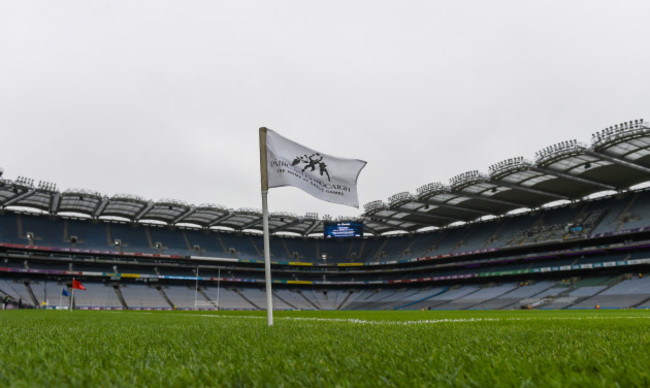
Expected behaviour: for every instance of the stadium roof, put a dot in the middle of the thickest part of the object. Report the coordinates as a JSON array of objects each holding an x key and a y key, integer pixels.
[{"x": 617, "y": 159}]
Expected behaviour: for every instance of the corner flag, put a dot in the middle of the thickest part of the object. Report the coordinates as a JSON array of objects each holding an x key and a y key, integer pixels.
[
  {"x": 64, "y": 292},
  {"x": 284, "y": 162},
  {"x": 324, "y": 176},
  {"x": 76, "y": 285}
]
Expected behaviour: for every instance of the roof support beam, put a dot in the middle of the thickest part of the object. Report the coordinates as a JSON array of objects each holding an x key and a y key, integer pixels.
[
  {"x": 287, "y": 226},
  {"x": 426, "y": 215},
  {"x": 220, "y": 219},
  {"x": 312, "y": 227},
  {"x": 144, "y": 211},
  {"x": 374, "y": 220},
  {"x": 101, "y": 205},
  {"x": 183, "y": 216},
  {"x": 250, "y": 224},
  {"x": 572, "y": 177},
  {"x": 55, "y": 202},
  {"x": 18, "y": 198},
  {"x": 529, "y": 190},
  {"x": 620, "y": 162},
  {"x": 490, "y": 199},
  {"x": 428, "y": 201},
  {"x": 371, "y": 230}
]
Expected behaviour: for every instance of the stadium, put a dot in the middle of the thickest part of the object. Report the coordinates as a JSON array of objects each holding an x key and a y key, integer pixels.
[
  {"x": 567, "y": 230},
  {"x": 425, "y": 218}
]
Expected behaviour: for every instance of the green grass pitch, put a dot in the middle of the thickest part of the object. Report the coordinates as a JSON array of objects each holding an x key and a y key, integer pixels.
[{"x": 432, "y": 348}]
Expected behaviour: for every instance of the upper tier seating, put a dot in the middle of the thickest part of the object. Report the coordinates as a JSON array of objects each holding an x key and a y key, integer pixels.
[{"x": 558, "y": 224}]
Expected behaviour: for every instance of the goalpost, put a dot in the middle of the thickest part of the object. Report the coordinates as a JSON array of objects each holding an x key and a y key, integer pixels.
[{"x": 203, "y": 304}]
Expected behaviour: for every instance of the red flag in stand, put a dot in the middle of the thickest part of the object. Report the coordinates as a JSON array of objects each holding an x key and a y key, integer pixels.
[{"x": 76, "y": 284}]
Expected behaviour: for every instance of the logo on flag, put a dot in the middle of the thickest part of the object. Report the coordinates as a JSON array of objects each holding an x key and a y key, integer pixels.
[
  {"x": 311, "y": 162},
  {"x": 324, "y": 176}
]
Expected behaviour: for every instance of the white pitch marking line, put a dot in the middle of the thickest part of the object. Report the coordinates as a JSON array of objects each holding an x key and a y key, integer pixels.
[{"x": 423, "y": 321}]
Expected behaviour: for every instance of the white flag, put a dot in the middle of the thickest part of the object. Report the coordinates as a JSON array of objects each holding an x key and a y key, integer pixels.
[{"x": 326, "y": 177}]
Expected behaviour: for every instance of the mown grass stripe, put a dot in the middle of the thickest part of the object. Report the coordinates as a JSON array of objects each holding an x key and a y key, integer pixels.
[{"x": 316, "y": 348}]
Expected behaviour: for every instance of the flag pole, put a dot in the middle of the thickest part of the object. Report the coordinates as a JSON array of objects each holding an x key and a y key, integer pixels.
[
  {"x": 196, "y": 287},
  {"x": 72, "y": 296},
  {"x": 265, "y": 226},
  {"x": 218, "y": 286}
]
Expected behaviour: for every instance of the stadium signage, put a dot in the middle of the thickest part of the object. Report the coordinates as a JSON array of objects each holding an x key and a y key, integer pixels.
[
  {"x": 620, "y": 263},
  {"x": 343, "y": 229}
]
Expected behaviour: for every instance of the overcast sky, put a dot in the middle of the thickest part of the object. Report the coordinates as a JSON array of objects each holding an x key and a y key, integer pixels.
[{"x": 163, "y": 99}]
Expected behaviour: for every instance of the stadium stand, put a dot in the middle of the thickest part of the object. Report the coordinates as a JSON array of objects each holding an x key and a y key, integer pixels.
[
  {"x": 87, "y": 234},
  {"x": 141, "y": 296},
  {"x": 517, "y": 298},
  {"x": 444, "y": 301},
  {"x": 551, "y": 226},
  {"x": 257, "y": 298},
  {"x": 50, "y": 293},
  {"x": 570, "y": 229},
  {"x": 182, "y": 297},
  {"x": 227, "y": 299},
  {"x": 371, "y": 300},
  {"x": 294, "y": 299},
  {"x": 14, "y": 288},
  {"x": 475, "y": 299},
  {"x": 96, "y": 295},
  {"x": 630, "y": 292}
]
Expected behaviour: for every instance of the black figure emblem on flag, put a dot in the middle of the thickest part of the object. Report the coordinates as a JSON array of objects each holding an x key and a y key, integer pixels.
[{"x": 312, "y": 161}]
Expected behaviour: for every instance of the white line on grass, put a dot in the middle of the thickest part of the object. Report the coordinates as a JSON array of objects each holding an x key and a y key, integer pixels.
[{"x": 419, "y": 322}]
